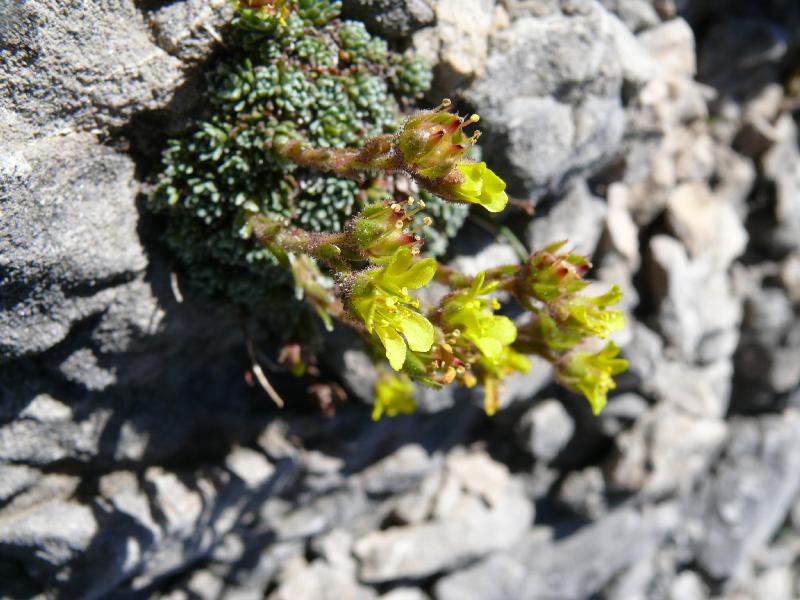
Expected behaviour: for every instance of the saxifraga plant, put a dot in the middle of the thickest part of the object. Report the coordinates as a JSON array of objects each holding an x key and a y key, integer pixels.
[
  {"x": 291, "y": 70},
  {"x": 364, "y": 271}
]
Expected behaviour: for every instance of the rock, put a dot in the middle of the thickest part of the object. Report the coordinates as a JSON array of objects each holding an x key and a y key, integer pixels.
[
  {"x": 644, "y": 353},
  {"x": 68, "y": 239},
  {"x": 665, "y": 452},
  {"x": 705, "y": 224},
  {"x": 748, "y": 498},
  {"x": 700, "y": 390},
  {"x": 672, "y": 45},
  {"x": 584, "y": 493},
  {"x": 638, "y": 67},
  {"x": 549, "y": 100},
  {"x": 47, "y": 537},
  {"x": 492, "y": 255},
  {"x": 399, "y": 471},
  {"x": 319, "y": 580},
  {"x": 122, "y": 72},
  {"x": 545, "y": 430},
  {"x": 776, "y": 583},
  {"x": 621, "y": 233},
  {"x": 768, "y": 355},
  {"x": 391, "y": 18},
  {"x": 457, "y": 46},
  {"x": 790, "y": 276},
  {"x": 782, "y": 165},
  {"x": 688, "y": 586},
  {"x": 190, "y": 30},
  {"x": 479, "y": 510},
  {"x": 758, "y": 132},
  {"x": 621, "y": 411},
  {"x": 405, "y": 594},
  {"x": 635, "y": 14},
  {"x": 250, "y": 466},
  {"x": 576, "y": 566},
  {"x": 577, "y": 218},
  {"x": 698, "y": 313}
]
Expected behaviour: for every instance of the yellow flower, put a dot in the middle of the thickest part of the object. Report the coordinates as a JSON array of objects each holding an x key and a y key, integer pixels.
[
  {"x": 591, "y": 316},
  {"x": 381, "y": 300},
  {"x": 480, "y": 185},
  {"x": 592, "y": 374},
  {"x": 473, "y": 317},
  {"x": 394, "y": 395}
]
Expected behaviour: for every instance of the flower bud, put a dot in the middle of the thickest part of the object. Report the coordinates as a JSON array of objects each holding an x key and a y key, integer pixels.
[
  {"x": 432, "y": 142},
  {"x": 551, "y": 275},
  {"x": 382, "y": 228}
]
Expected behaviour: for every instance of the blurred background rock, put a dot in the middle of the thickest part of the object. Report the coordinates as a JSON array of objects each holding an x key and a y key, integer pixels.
[{"x": 660, "y": 136}]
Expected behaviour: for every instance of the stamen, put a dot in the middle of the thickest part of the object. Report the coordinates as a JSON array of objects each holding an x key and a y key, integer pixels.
[
  {"x": 411, "y": 201},
  {"x": 421, "y": 204},
  {"x": 444, "y": 105},
  {"x": 427, "y": 221}
]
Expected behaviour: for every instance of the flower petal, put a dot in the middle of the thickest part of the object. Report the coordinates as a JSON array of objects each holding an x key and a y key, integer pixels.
[
  {"x": 503, "y": 330},
  {"x": 417, "y": 330},
  {"x": 394, "y": 345},
  {"x": 412, "y": 276}
]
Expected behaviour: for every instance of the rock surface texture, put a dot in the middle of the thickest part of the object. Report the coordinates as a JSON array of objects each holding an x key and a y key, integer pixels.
[{"x": 659, "y": 137}]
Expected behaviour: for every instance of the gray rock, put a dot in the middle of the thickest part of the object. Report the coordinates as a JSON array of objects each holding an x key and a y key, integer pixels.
[
  {"x": 399, "y": 471},
  {"x": 790, "y": 276},
  {"x": 688, "y": 585},
  {"x": 323, "y": 581},
  {"x": 577, "y": 218},
  {"x": 457, "y": 46},
  {"x": 672, "y": 45},
  {"x": 405, "y": 594},
  {"x": 782, "y": 166},
  {"x": 576, "y": 566},
  {"x": 750, "y": 494},
  {"x": 665, "y": 452},
  {"x": 66, "y": 240},
  {"x": 44, "y": 45},
  {"x": 48, "y": 537},
  {"x": 478, "y": 510},
  {"x": 699, "y": 390},
  {"x": 621, "y": 410},
  {"x": 545, "y": 429},
  {"x": 191, "y": 29},
  {"x": 584, "y": 492},
  {"x": 769, "y": 353},
  {"x": 391, "y": 18},
  {"x": 698, "y": 313},
  {"x": 778, "y": 583},
  {"x": 549, "y": 100},
  {"x": 635, "y": 14},
  {"x": 706, "y": 224}
]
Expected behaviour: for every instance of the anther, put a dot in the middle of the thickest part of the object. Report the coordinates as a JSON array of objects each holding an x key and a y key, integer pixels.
[{"x": 427, "y": 221}]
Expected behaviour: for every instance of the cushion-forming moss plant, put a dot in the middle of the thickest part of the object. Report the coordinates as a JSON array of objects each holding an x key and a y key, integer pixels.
[{"x": 360, "y": 262}]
